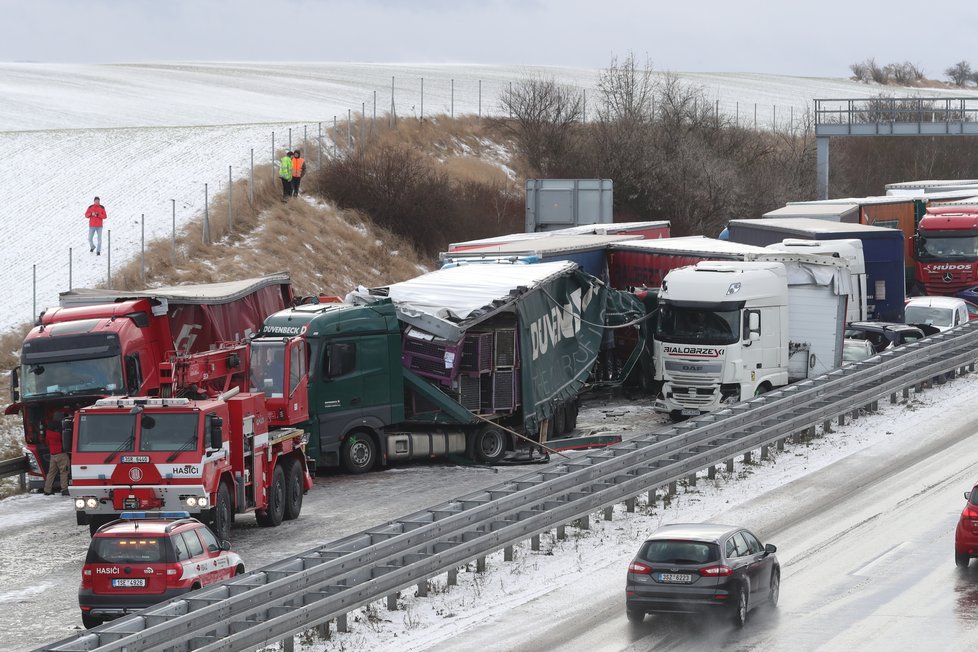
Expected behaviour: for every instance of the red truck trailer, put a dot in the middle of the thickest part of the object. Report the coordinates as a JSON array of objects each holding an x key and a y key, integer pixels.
[{"x": 102, "y": 342}]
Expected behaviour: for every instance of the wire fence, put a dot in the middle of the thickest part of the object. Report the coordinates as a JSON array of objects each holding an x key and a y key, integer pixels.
[{"x": 332, "y": 137}]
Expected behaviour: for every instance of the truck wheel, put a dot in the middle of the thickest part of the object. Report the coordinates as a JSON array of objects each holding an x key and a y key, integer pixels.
[
  {"x": 95, "y": 522},
  {"x": 559, "y": 420},
  {"x": 293, "y": 488},
  {"x": 275, "y": 510},
  {"x": 90, "y": 621},
  {"x": 359, "y": 453},
  {"x": 223, "y": 514},
  {"x": 572, "y": 410},
  {"x": 488, "y": 445}
]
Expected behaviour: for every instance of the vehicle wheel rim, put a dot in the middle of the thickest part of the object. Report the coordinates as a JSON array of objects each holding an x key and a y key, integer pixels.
[
  {"x": 776, "y": 590},
  {"x": 360, "y": 453},
  {"x": 742, "y": 607},
  {"x": 492, "y": 444}
]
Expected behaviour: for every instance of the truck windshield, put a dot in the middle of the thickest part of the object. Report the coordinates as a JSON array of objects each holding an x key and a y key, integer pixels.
[
  {"x": 106, "y": 433},
  {"x": 94, "y": 376},
  {"x": 268, "y": 368},
  {"x": 168, "y": 432},
  {"x": 942, "y": 248},
  {"x": 940, "y": 317},
  {"x": 683, "y": 325}
]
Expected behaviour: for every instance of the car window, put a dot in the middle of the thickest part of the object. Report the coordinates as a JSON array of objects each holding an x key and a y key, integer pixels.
[
  {"x": 742, "y": 548},
  {"x": 752, "y": 542},
  {"x": 125, "y": 550},
  {"x": 679, "y": 552},
  {"x": 180, "y": 547},
  {"x": 193, "y": 543},
  {"x": 210, "y": 541},
  {"x": 731, "y": 549},
  {"x": 973, "y": 496}
]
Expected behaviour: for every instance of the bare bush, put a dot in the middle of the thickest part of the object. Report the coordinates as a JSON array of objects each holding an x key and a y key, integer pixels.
[
  {"x": 860, "y": 72},
  {"x": 960, "y": 73},
  {"x": 544, "y": 115}
]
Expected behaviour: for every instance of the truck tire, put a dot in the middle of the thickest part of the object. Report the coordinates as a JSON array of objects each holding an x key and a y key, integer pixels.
[
  {"x": 90, "y": 621},
  {"x": 559, "y": 420},
  {"x": 223, "y": 514},
  {"x": 275, "y": 510},
  {"x": 572, "y": 409},
  {"x": 293, "y": 488},
  {"x": 358, "y": 453},
  {"x": 488, "y": 445}
]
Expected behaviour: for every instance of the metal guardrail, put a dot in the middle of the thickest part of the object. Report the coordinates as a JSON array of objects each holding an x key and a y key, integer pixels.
[
  {"x": 14, "y": 466},
  {"x": 881, "y": 116},
  {"x": 312, "y": 588}
]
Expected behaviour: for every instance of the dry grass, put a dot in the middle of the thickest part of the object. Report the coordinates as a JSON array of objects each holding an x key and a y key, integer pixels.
[{"x": 325, "y": 250}]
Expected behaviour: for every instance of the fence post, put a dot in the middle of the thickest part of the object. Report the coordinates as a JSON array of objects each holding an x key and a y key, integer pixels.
[
  {"x": 274, "y": 171},
  {"x": 173, "y": 233},
  {"x": 480, "y": 98},
  {"x": 206, "y": 235},
  {"x": 108, "y": 256},
  {"x": 142, "y": 247},
  {"x": 290, "y": 137},
  {"x": 251, "y": 179},
  {"x": 422, "y": 99},
  {"x": 453, "y": 99},
  {"x": 69, "y": 268},
  {"x": 305, "y": 139},
  {"x": 230, "y": 215},
  {"x": 34, "y": 293},
  {"x": 319, "y": 144}
]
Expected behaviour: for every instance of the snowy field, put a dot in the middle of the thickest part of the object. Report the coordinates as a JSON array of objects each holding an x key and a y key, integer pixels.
[{"x": 146, "y": 138}]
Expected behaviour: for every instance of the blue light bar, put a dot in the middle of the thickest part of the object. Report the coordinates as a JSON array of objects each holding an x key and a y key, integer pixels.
[{"x": 144, "y": 515}]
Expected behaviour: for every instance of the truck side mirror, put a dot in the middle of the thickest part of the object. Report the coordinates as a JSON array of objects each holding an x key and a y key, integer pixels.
[
  {"x": 216, "y": 432},
  {"x": 67, "y": 428},
  {"x": 15, "y": 384}
]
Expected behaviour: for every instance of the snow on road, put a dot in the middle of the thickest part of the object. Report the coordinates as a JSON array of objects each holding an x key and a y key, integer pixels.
[{"x": 568, "y": 572}]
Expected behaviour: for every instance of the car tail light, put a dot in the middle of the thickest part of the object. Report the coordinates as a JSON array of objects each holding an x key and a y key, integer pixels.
[
  {"x": 86, "y": 582},
  {"x": 716, "y": 571},
  {"x": 639, "y": 569},
  {"x": 970, "y": 513}
]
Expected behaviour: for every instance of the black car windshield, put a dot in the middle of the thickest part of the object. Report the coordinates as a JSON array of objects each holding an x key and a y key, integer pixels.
[
  {"x": 965, "y": 247},
  {"x": 101, "y": 376},
  {"x": 669, "y": 551},
  {"x": 682, "y": 325}
]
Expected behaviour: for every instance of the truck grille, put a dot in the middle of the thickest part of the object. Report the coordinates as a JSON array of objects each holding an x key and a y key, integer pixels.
[{"x": 694, "y": 396}]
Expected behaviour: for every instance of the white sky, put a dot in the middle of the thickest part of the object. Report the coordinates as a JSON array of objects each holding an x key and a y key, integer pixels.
[{"x": 816, "y": 39}]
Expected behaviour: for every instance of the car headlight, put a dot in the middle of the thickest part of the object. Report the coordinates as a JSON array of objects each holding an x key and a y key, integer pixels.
[
  {"x": 91, "y": 502},
  {"x": 191, "y": 501},
  {"x": 79, "y": 503},
  {"x": 202, "y": 501}
]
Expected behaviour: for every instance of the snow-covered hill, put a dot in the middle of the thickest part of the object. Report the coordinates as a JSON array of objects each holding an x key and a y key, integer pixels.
[{"x": 141, "y": 136}]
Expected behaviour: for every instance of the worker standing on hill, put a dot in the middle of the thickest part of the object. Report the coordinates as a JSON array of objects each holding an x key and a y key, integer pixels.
[
  {"x": 285, "y": 174},
  {"x": 96, "y": 215},
  {"x": 298, "y": 169}
]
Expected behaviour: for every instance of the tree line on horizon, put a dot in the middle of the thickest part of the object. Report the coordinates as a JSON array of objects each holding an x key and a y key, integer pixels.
[{"x": 908, "y": 74}]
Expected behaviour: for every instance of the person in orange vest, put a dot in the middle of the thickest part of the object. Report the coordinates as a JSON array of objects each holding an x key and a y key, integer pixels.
[
  {"x": 60, "y": 461},
  {"x": 96, "y": 215},
  {"x": 298, "y": 168}
]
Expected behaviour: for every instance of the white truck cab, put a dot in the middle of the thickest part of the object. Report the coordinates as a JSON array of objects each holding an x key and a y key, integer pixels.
[{"x": 732, "y": 330}]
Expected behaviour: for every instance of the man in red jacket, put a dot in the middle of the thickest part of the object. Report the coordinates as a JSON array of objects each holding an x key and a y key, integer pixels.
[
  {"x": 95, "y": 215},
  {"x": 60, "y": 461}
]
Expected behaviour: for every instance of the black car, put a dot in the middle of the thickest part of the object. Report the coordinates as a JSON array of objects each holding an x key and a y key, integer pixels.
[
  {"x": 883, "y": 335},
  {"x": 701, "y": 567}
]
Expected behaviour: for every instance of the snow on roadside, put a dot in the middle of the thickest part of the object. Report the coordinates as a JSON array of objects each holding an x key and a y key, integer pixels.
[{"x": 602, "y": 552}]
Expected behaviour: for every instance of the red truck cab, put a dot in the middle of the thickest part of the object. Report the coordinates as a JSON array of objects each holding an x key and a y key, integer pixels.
[{"x": 946, "y": 250}]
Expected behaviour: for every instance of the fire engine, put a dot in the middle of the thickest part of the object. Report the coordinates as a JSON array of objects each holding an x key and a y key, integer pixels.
[{"x": 220, "y": 440}]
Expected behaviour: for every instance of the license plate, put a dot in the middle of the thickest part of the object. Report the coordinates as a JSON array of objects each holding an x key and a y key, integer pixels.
[
  {"x": 130, "y": 503},
  {"x": 128, "y": 582},
  {"x": 690, "y": 412},
  {"x": 675, "y": 578}
]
